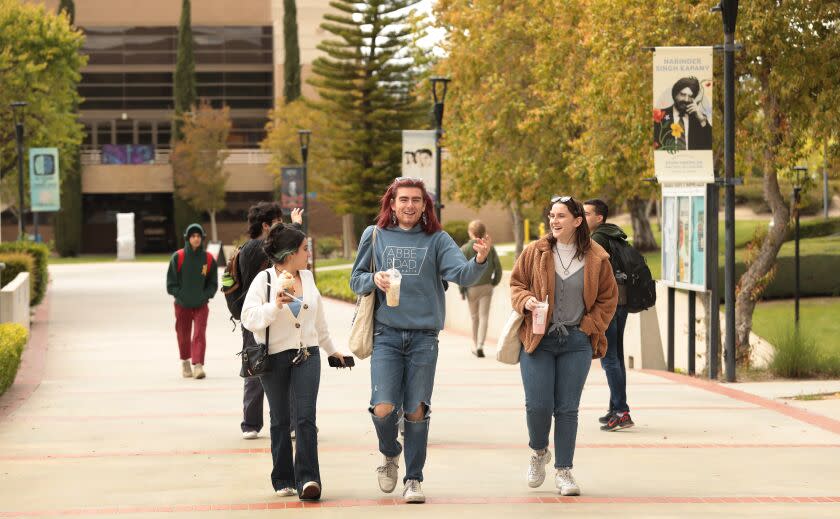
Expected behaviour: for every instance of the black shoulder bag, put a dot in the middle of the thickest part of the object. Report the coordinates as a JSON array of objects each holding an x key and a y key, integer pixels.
[{"x": 255, "y": 356}]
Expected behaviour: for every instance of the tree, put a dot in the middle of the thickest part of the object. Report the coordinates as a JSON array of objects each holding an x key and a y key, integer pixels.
[
  {"x": 367, "y": 87},
  {"x": 513, "y": 69},
  {"x": 68, "y": 221},
  {"x": 185, "y": 98},
  {"x": 198, "y": 161},
  {"x": 291, "y": 65},
  {"x": 40, "y": 64}
]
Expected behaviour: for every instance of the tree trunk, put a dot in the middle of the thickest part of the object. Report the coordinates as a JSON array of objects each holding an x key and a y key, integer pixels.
[
  {"x": 643, "y": 238},
  {"x": 347, "y": 235},
  {"x": 518, "y": 237},
  {"x": 214, "y": 235}
]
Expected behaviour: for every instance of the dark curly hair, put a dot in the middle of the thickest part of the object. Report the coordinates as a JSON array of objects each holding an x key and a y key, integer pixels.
[
  {"x": 281, "y": 241},
  {"x": 262, "y": 213}
]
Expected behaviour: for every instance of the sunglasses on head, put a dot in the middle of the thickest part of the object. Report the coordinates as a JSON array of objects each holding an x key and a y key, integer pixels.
[
  {"x": 412, "y": 179},
  {"x": 561, "y": 199}
]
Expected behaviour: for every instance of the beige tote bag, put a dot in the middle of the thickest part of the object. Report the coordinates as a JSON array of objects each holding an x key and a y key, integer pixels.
[
  {"x": 508, "y": 348},
  {"x": 361, "y": 330}
]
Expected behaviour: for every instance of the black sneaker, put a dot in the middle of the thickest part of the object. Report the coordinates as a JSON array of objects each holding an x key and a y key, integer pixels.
[
  {"x": 606, "y": 418},
  {"x": 617, "y": 422},
  {"x": 480, "y": 353}
]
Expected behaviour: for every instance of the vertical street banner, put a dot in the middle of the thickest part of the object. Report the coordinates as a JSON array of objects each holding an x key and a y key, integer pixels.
[
  {"x": 291, "y": 189},
  {"x": 682, "y": 114},
  {"x": 419, "y": 158},
  {"x": 44, "y": 185}
]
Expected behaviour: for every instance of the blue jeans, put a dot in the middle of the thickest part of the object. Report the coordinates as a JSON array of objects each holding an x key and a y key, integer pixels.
[
  {"x": 304, "y": 380},
  {"x": 402, "y": 374},
  {"x": 613, "y": 361},
  {"x": 553, "y": 376}
]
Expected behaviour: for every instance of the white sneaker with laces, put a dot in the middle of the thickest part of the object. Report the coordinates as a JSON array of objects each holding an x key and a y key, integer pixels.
[
  {"x": 186, "y": 369},
  {"x": 286, "y": 492},
  {"x": 412, "y": 493},
  {"x": 566, "y": 483},
  {"x": 250, "y": 435},
  {"x": 388, "y": 474},
  {"x": 198, "y": 371},
  {"x": 536, "y": 468}
]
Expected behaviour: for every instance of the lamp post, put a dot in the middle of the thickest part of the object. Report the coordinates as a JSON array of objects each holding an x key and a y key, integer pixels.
[
  {"x": 18, "y": 116},
  {"x": 439, "y": 87},
  {"x": 797, "y": 189},
  {"x": 304, "y": 136}
]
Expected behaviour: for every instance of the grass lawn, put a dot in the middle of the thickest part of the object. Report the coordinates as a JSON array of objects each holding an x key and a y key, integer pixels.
[
  {"x": 332, "y": 262},
  {"x": 818, "y": 316}
]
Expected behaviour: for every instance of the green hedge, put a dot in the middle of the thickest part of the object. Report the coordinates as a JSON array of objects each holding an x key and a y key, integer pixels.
[
  {"x": 458, "y": 230},
  {"x": 40, "y": 254},
  {"x": 17, "y": 262},
  {"x": 816, "y": 228},
  {"x": 336, "y": 284},
  {"x": 13, "y": 339}
]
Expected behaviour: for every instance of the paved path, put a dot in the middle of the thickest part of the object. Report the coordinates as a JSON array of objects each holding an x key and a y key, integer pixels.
[{"x": 113, "y": 430}]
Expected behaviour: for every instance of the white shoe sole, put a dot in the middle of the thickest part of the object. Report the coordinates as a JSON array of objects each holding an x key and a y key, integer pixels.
[
  {"x": 415, "y": 499},
  {"x": 250, "y": 435},
  {"x": 570, "y": 491},
  {"x": 285, "y": 492}
]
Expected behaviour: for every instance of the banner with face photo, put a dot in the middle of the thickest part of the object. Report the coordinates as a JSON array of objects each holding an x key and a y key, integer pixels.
[
  {"x": 291, "y": 190},
  {"x": 419, "y": 157},
  {"x": 682, "y": 114}
]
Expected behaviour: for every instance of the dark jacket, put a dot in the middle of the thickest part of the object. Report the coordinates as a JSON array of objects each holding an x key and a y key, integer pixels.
[
  {"x": 699, "y": 137},
  {"x": 195, "y": 284},
  {"x": 604, "y": 233}
]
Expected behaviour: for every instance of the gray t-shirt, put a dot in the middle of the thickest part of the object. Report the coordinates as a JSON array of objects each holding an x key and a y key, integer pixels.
[{"x": 568, "y": 302}]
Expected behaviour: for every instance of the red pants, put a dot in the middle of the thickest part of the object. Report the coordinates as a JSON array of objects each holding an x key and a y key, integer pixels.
[{"x": 191, "y": 347}]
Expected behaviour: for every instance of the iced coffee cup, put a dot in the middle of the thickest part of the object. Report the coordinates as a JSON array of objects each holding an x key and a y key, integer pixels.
[
  {"x": 393, "y": 295},
  {"x": 540, "y": 316}
]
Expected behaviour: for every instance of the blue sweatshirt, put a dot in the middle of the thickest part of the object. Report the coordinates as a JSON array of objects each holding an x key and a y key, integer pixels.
[{"x": 423, "y": 260}]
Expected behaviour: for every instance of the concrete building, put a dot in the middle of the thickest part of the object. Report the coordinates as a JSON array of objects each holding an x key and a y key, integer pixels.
[{"x": 128, "y": 107}]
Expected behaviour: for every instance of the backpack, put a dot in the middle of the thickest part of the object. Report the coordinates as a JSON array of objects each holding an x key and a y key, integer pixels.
[
  {"x": 632, "y": 272},
  {"x": 232, "y": 285},
  {"x": 182, "y": 254}
]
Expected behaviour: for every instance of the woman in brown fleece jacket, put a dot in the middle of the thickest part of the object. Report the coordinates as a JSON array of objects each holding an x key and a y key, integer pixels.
[{"x": 574, "y": 275}]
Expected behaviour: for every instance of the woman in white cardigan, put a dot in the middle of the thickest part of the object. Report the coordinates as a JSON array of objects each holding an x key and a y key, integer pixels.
[{"x": 296, "y": 326}]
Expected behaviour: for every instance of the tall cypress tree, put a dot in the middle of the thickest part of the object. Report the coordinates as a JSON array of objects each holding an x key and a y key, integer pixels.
[
  {"x": 291, "y": 65},
  {"x": 366, "y": 83},
  {"x": 185, "y": 99},
  {"x": 68, "y": 220}
]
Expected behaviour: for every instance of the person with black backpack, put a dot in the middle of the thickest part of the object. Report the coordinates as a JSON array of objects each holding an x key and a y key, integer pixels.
[
  {"x": 243, "y": 267},
  {"x": 611, "y": 238}
]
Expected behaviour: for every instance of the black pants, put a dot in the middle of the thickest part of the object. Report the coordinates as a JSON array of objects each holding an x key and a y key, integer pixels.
[{"x": 252, "y": 396}]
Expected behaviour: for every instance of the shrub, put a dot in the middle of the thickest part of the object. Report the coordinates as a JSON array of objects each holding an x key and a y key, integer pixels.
[
  {"x": 40, "y": 254},
  {"x": 335, "y": 284},
  {"x": 13, "y": 339},
  {"x": 326, "y": 246},
  {"x": 17, "y": 262},
  {"x": 816, "y": 228},
  {"x": 796, "y": 354},
  {"x": 458, "y": 230}
]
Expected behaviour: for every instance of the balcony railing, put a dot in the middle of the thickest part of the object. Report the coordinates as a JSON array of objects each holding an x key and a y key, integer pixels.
[{"x": 144, "y": 155}]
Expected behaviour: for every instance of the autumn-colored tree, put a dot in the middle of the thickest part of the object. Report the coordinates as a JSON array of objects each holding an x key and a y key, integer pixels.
[
  {"x": 198, "y": 160},
  {"x": 40, "y": 64}
]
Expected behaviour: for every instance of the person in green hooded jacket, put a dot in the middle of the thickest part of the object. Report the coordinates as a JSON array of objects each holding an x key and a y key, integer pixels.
[{"x": 192, "y": 281}]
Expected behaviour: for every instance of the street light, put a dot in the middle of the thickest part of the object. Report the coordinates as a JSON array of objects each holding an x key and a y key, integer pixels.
[
  {"x": 304, "y": 136},
  {"x": 797, "y": 189},
  {"x": 18, "y": 117},
  {"x": 439, "y": 87}
]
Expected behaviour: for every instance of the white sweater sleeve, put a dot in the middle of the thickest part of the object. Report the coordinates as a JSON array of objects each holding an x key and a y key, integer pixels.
[
  {"x": 257, "y": 313},
  {"x": 324, "y": 339}
]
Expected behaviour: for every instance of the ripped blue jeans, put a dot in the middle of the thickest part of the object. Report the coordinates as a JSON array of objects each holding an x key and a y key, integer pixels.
[{"x": 402, "y": 373}]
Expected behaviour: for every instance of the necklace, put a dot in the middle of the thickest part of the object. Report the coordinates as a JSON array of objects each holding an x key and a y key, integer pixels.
[{"x": 565, "y": 268}]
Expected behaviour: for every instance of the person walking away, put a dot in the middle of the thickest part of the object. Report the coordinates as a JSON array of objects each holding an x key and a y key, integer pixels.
[
  {"x": 480, "y": 295},
  {"x": 564, "y": 286},
  {"x": 251, "y": 261},
  {"x": 413, "y": 256},
  {"x": 284, "y": 304},
  {"x": 618, "y": 412},
  {"x": 192, "y": 279}
]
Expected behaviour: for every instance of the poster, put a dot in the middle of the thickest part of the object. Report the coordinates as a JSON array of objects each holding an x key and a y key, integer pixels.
[
  {"x": 44, "y": 185},
  {"x": 684, "y": 237},
  {"x": 291, "y": 189},
  {"x": 682, "y": 114},
  {"x": 419, "y": 158}
]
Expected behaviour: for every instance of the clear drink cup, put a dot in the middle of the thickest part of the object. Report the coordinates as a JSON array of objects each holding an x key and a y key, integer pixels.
[{"x": 392, "y": 296}]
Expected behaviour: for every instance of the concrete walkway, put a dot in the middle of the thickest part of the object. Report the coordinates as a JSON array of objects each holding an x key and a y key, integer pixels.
[{"x": 113, "y": 430}]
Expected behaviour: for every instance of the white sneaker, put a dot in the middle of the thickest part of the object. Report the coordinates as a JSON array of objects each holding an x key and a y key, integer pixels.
[
  {"x": 186, "y": 369},
  {"x": 311, "y": 491},
  {"x": 566, "y": 483},
  {"x": 250, "y": 435},
  {"x": 536, "y": 468},
  {"x": 412, "y": 493},
  {"x": 198, "y": 372},
  {"x": 286, "y": 492},
  {"x": 388, "y": 474}
]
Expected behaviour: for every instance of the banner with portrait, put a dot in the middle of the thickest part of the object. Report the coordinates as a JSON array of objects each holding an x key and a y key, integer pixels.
[
  {"x": 684, "y": 223},
  {"x": 682, "y": 114},
  {"x": 291, "y": 188},
  {"x": 418, "y": 159}
]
